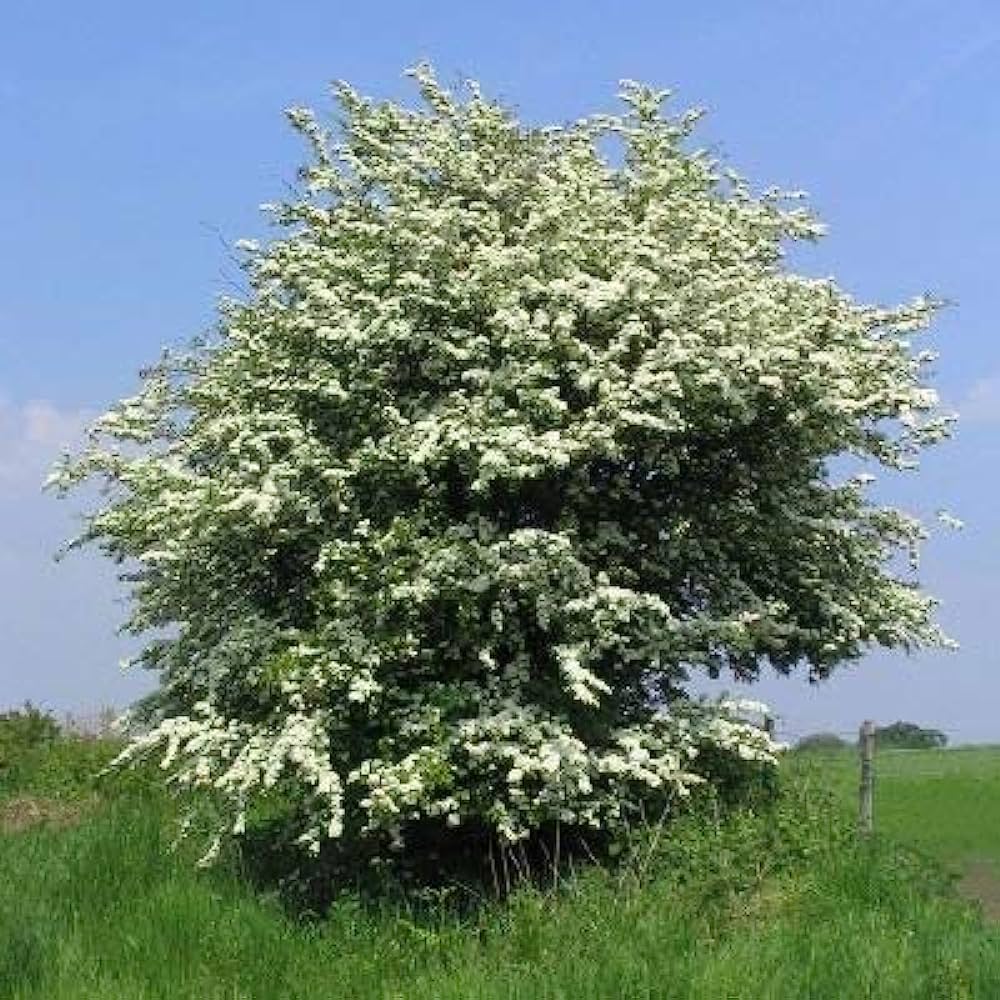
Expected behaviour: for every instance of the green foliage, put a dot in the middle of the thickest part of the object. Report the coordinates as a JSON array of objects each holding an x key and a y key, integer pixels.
[
  {"x": 717, "y": 854},
  {"x": 40, "y": 758},
  {"x": 944, "y": 802},
  {"x": 909, "y": 736},
  {"x": 36, "y": 754},
  {"x": 22, "y": 730},
  {"x": 67, "y": 768},
  {"x": 774, "y": 899},
  {"x": 821, "y": 742}
]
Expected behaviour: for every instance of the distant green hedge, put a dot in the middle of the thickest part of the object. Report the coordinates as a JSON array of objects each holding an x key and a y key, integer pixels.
[
  {"x": 22, "y": 729},
  {"x": 821, "y": 741},
  {"x": 909, "y": 736},
  {"x": 38, "y": 755}
]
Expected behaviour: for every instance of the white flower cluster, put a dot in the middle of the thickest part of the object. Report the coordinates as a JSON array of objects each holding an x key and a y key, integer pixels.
[
  {"x": 516, "y": 429},
  {"x": 239, "y": 760},
  {"x": 511, "y": 765}
]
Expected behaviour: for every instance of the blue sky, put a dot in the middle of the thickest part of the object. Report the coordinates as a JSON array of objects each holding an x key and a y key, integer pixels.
[{"x": 139, "y": 139}]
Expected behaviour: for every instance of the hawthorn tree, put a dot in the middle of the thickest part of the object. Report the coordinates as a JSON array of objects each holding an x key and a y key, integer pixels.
[{"x": 516, "y": 431}]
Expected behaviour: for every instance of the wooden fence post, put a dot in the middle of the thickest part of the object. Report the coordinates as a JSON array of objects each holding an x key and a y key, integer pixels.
[{"x": 866, "y": 744}]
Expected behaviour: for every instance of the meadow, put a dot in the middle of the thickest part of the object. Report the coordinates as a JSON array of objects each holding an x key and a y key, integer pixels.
[
  {"x": 945, "y": 802},
  {"x": 777, "y": 900}
]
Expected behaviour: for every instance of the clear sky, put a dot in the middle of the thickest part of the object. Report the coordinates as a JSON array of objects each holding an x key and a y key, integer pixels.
[{"x": 139, "y": 139}]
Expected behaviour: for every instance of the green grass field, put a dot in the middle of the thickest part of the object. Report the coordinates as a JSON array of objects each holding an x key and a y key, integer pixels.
[
  {"x": 943, "y": 802},
  {"x": 781, "y": 902}
]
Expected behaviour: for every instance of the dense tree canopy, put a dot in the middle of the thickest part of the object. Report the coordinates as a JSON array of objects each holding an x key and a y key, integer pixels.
[{"x": 515, "y": 431}]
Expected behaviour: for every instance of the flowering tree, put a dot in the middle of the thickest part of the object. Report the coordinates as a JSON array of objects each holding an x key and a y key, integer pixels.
[{"x": 516, "y": 430}]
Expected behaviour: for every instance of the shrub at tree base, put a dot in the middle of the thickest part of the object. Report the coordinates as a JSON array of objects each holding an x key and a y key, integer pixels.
[{"x": 516, "y": 429}]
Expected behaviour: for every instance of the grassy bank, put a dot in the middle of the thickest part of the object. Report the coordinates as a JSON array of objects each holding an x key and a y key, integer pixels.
[{"x": 781, "y": 903}]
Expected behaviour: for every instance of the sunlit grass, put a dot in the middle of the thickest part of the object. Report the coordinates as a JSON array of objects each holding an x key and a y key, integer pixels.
[
  {"x": 778, "y": 903},
  {"x": 943, "y": 802}
]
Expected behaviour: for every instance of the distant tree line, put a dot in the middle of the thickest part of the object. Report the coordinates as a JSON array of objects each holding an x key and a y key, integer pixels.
[
  {"x": 909, "y": 736},
  {"x": 897, "y": 736}
]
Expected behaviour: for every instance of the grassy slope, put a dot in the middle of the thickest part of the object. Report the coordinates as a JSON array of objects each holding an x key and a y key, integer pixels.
[{"x": 782, "y": 905}]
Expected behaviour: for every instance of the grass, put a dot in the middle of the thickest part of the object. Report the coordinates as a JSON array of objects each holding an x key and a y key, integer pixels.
[
  {"x": 945, "y": 803},
  {"x": 781, "y": 902}
]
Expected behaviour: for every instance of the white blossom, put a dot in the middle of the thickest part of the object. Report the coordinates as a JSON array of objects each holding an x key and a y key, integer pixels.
[{"x": 508, "y": 439}]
